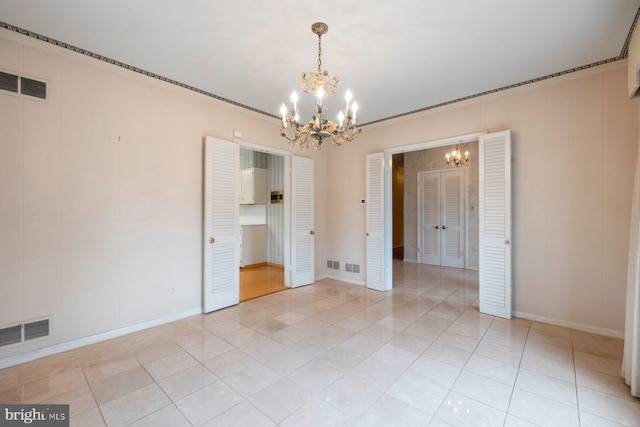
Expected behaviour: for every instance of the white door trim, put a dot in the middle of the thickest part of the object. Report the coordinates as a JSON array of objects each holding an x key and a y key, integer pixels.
[
  {"x": 287, "y": 199},
  {"x": 388, "y": 205}
]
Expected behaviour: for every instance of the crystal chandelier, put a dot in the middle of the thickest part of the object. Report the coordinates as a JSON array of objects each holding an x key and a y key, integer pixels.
[
  {"x": 454, "y": 158},
  {"x": 319, "y": 128}
]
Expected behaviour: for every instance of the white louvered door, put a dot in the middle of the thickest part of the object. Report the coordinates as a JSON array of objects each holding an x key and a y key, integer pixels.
[
  {"x": 375, "y": 221},
  {"x": 452, "y": 200},
  {"x": 221, "y": 273},
  {"x": 302, "y": 222},
  {"x": 441, "y": 218},
  {"x": 429, "y": 218},
  {"x": 495, "y": 224}
]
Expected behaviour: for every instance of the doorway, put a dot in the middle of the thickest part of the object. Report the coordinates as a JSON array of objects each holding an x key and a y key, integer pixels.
[
  {"x": 407, "y": 216},
  {"x": 262, "y": 219},
  {"x": 221, "y": 225},
  {"x": 494, "y": 230}
]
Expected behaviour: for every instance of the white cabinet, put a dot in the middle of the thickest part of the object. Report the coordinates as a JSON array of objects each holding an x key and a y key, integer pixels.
[
  {"x": 253, "y": 186},
  {"x": 254, "y": 245}
]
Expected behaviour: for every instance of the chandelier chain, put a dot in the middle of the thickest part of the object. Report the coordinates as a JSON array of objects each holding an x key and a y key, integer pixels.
[{"x": 319, "y": 53}]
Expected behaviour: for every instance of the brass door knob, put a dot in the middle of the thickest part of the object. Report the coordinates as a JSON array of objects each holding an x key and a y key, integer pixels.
[
  {"x": 312, "y": 232},
  {"x": 212, "y": 240},
  {"x": 506, "y": 242}
]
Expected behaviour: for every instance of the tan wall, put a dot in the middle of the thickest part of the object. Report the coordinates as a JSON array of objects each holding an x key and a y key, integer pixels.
[
  {"x": 101, "y": 192},
  {"x": 430, "y": 160},
  {"x": 574, "y": 143}
]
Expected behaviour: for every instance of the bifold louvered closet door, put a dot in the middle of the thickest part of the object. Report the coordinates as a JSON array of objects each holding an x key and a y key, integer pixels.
[
  {"x": 375, "y": 222},
  {"x": 441, "y": 218},
  {"x": 302, "y": 222},
  {"x": 495, "y": 224},
  {"x": 221, "y": 225}
]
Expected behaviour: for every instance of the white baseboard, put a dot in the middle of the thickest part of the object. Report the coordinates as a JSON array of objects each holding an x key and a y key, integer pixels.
[
  {"x": 572, "y": 325},
  {"x": 341, "y": 279},
  {"x": 411, "y": 261},
  {"x": 80, "y": 342}
]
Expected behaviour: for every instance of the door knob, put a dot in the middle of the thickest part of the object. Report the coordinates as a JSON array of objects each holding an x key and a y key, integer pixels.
[
  {"x": 444, "y": 227},
  {"x": 437, "y": 227},
  {"x": 506, "y": 242},
  {"x": 212, "y": 240},
  {"x": 312, "y": 232}
]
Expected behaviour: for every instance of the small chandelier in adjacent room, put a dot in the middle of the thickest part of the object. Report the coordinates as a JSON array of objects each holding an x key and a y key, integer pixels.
[
  {"x": 454, "y": 158},
  {"x": 319, "y": 128}
]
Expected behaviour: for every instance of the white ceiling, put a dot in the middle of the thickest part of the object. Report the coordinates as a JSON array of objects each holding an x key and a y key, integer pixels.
[{"x": 395, "y": 56}]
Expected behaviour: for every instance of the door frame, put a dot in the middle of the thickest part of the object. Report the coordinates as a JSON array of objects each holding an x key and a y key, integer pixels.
[
  {"x": 388, "y": 191},
  {"x": 287, "y": 199},
  {"x": 465, "y": 204}
]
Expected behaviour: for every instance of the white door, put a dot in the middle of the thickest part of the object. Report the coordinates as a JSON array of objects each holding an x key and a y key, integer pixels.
[
  {"x": 375, "y": 221},
  {"x": 221, "y": 225},
  {"x": 302, "y": 222},
  {"x": 452, "y": 217},
  {"x": 441, "y": 218},
  {"x": 495, "y": 224},
  {"x": 429, "y": 221}
]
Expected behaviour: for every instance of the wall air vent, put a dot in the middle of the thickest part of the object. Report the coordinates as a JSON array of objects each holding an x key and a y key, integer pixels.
[
  {"x": 9, "y": 82},
  {"x": 10, "y": 335},
  {"x": 27, "y": 331},
  {"x": 352, "y": 268},
  {"x": 35, "y": 330},
  {"x": 15, "y": 83},
  {"x": 34, "y": 88},
  {"x": 333, "y": 264}
]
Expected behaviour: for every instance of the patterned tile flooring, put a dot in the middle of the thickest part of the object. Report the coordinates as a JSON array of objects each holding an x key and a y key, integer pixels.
[{"x": 334, "y": 354}]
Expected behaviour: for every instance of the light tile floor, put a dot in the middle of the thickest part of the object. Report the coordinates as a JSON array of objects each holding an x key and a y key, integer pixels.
[{"x": 333, "y": 354}]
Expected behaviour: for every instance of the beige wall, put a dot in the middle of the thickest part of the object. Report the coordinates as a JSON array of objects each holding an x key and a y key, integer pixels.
[
  {"x": 430, "y": 160},
  {"x": 101, "y": 192},
  {"x": 574, "y": 142}
]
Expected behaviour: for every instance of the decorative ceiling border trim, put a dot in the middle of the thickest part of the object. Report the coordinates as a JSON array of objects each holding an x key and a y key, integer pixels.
[
  {"x": 500, "y": 89},
  {"x": 623, "y": 54},
  {"x": 128, "y": 67},
  {"x": 625, "y": 47}
]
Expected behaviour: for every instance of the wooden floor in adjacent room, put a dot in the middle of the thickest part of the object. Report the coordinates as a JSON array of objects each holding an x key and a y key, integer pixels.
[{"x": 260, "y": 280}]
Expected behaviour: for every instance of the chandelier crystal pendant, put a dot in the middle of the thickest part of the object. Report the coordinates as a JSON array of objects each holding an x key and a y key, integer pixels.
[
  {"x": 454, "y": 159},
  {"x": 319, "y": 128}
]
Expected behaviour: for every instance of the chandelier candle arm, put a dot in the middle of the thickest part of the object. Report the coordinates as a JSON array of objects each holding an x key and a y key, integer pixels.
[{"x": 319, "y": 128}]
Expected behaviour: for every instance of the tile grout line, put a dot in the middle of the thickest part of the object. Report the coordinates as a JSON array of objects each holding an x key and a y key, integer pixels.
[{"x": 513, "y": 389}]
